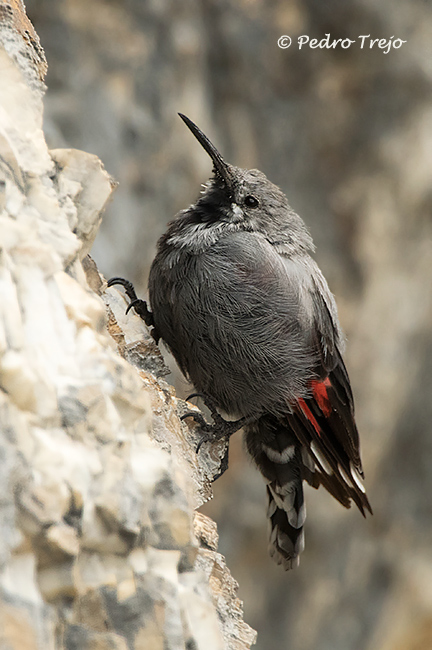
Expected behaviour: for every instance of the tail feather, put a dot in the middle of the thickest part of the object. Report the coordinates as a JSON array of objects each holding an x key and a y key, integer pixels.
[
  {"x": 277, "y": 453},
  {"x": 286, "y": 542}
]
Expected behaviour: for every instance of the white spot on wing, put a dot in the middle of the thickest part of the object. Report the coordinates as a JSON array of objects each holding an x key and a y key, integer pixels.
[
  {"x": 320, "y": 458},
  {"x": 345, "y": 476},
  {"x": 307, "y": 459},
  {"x": 357, "y": 478}
]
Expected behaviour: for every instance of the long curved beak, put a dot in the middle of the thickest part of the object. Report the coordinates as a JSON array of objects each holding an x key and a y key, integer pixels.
[{"x": 221, "y": 167}]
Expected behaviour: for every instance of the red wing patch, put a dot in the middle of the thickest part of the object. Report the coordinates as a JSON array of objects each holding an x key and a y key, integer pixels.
[
  {"x": 319, "y": 391},
  {"x": 324, "y": 423},
  {"x": 308, "y": 414}
]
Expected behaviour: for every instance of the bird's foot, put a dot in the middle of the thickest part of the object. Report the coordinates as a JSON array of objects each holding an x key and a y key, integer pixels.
[
  {"x": 138, "y": 304},
  {"x": 220, "y": 429}
]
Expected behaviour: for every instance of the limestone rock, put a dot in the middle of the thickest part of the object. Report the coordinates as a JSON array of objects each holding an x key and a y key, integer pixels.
[{"x": 99, "y": 478}]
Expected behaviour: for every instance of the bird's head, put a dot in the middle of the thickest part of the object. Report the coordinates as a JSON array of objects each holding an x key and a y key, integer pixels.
[{"x": 242, "y": 199}]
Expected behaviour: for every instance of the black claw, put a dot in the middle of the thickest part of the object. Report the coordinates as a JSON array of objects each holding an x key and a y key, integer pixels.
[
  {"x": 139, "y": 305},
  {"x": 198, "y": 417},
  {"x": 192, "y": 395},
  {"x": 135, "y": 303},
  {"x": 205, "y": 427},
  {"x": 199, "y": 445},
  {"x": 128, "y": 286}
]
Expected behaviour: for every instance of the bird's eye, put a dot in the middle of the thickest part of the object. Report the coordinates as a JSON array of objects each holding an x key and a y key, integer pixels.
[{"x": 251, "y": 201}]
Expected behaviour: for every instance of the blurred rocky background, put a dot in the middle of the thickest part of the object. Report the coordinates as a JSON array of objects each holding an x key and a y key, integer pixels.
[{"x": 347, "y": 134}]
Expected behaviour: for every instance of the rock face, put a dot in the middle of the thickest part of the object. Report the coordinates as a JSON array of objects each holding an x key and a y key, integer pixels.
[
  {"x": 347, "y": 135},
  {"x": 99, "y": 544}
]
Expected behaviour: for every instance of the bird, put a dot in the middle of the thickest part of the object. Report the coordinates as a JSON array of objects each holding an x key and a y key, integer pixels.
[{"x": 237, "y": 297}]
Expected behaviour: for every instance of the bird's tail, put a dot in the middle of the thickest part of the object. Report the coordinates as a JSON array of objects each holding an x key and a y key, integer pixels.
[{"x": 277, "y": 453}]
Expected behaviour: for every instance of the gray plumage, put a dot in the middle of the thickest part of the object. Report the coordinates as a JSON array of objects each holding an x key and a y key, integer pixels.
[{"x": 250, "y": 319}]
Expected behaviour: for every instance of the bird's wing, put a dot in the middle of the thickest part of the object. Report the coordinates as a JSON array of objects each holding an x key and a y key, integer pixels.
[{"x": 324, "y": 419}]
